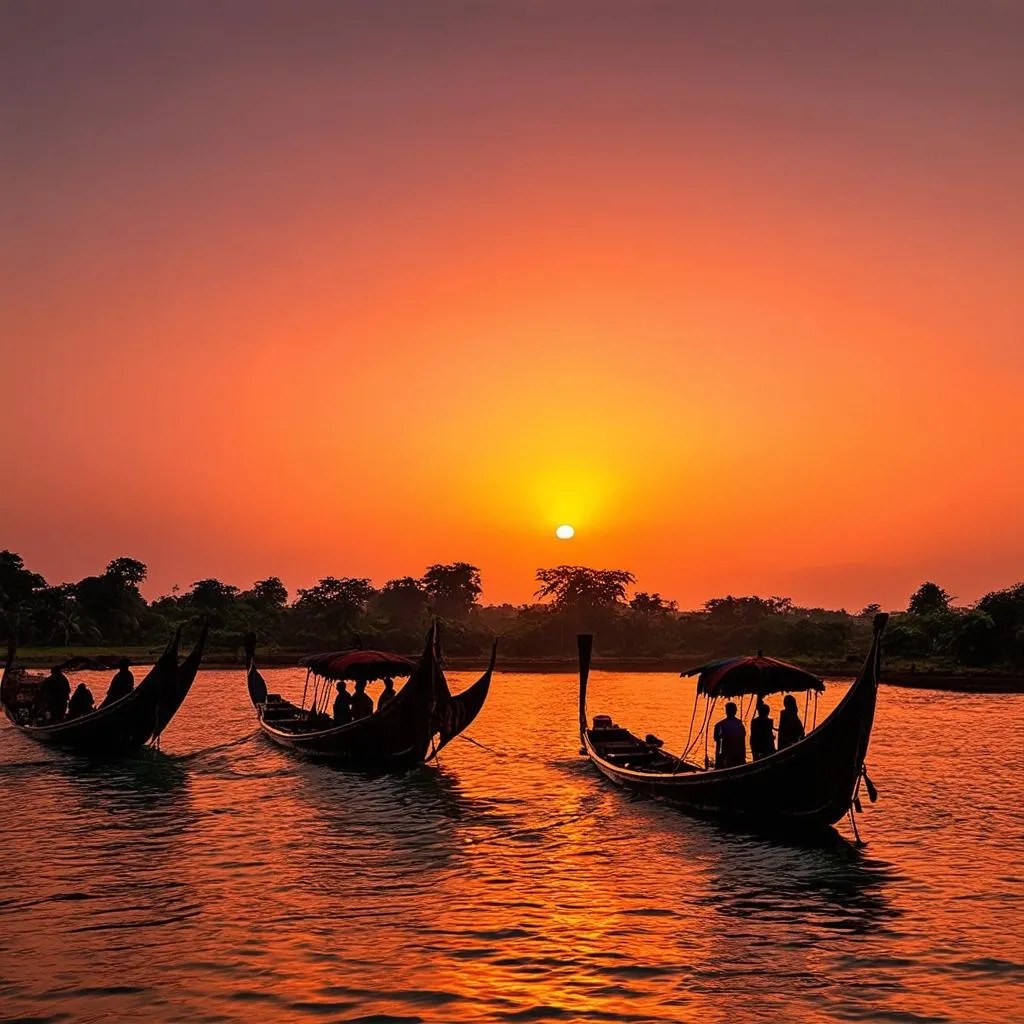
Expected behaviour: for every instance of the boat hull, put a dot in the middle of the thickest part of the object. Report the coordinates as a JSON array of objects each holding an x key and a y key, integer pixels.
[
  {"x": 407, "y": 732},
  {"x": 809, "y": 785},
  {"x": 129, "y": 723}
]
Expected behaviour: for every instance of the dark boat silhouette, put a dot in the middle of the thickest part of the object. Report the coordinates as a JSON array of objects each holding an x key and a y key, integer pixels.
[
  {"x": 810, "y": 784},
  {"x": 118, "y": 728},
  {"x": 417, "y": 723}
]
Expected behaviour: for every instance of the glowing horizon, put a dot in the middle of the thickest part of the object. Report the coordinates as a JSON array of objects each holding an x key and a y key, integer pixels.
[{"x": 329, "y": 291}]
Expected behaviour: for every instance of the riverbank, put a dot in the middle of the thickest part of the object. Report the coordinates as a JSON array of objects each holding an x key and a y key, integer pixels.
[{"x": 919, "y": 677}]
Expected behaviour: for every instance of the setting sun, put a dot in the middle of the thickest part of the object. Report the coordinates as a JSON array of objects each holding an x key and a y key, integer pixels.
[{"x": 565, "y": 532}]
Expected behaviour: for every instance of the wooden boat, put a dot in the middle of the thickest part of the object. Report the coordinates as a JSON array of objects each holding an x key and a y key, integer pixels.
[
  {"x": 810, "y": 784},
  {"x": 421, "y": 719},
  {"x": 125, "y": 725},
  {"x": 454, "y": 713}
]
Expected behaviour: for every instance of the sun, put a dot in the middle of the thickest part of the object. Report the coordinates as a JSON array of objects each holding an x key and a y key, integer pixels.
[{"x": 565, "y": 532}]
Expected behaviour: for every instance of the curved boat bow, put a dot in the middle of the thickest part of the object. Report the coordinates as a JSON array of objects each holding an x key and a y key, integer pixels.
[
  {"x": 810, "y": 784},
  {"x": 125, "y": 725},
  {"x": 391, "y": 739}
]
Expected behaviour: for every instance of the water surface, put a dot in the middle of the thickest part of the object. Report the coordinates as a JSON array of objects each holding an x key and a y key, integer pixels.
[{"x": 221, "y": 880}]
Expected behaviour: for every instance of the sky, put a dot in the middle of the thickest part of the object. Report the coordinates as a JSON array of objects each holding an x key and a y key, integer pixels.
[{"x": 312, "y": 289}]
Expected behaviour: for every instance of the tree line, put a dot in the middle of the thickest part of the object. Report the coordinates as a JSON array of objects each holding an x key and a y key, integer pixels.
[{"x": 108, "y": 609}]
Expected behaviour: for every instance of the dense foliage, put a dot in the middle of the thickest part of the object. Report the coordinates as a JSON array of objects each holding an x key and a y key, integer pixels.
[{"x": 109, "y": 610}]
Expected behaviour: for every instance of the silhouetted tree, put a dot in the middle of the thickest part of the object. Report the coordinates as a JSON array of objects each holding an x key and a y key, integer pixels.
[
  {"x": 64, "y": 619},
  {"x": 17, "y": 589},
  {"x": 212, "y": 597},
  {"x": 651, "y": 604},
  {"x": 576, "y": 586},
  {"x": 869, "y": 611},
  {"x": 332, "y": 605},
  {"x": 111, "y": 603},
  {"x": 974, "y": 640},
  {"x": 403, "y": 601},
  {"x": 130, "y": 571},
  {"x": 1006, "y": 609},
  {"x": 454, "y": 588},
  {"x": 269, "y": 593},
  {"x": 929, "y": 599},
  {"x": 746, "y": 609}
]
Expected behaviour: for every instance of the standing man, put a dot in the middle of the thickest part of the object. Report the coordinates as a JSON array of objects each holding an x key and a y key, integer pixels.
[{"x": 730, "y": 740}]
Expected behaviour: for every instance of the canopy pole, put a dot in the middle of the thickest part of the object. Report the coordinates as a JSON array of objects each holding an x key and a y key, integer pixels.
[
  {"x": 305, "y": 688},
  {"x": 807, "y": 703},
  {"x": 815, "y": 710}
]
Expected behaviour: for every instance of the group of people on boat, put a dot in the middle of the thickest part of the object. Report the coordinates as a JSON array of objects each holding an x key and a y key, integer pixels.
[
  {"x": 348, "y": 707},
  {"x": 730, "y": 733},
  {"x": 56, "y": 703}
]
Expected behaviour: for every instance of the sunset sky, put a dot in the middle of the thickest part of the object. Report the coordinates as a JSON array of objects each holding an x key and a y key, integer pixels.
[{"x": 734, "y": 288}]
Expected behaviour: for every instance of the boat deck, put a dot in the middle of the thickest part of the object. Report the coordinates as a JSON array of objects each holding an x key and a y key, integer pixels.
[{"x": 620, "y": 747}]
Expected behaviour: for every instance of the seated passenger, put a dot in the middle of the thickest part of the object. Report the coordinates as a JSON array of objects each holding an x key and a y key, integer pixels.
[
  {"x": 52, "y": 701},
  {"x": 730, "y": 740},
  {"x": 121, "y": 685},
  {"x": 342, "y": 705},
  {"x": 762, "y": 733},
  {"x": 362, "y": 702},
  {"x": 791, "y": 729},
  {"x": 81, "y": 702},
  {"x": 389, "y": 693}
]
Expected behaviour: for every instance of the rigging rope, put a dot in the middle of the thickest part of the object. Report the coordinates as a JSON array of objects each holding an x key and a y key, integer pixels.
[
  {"x": 710, "y": 710},
  {"x": 482, "y": 746},
  {"x": 703, "y": 732}
]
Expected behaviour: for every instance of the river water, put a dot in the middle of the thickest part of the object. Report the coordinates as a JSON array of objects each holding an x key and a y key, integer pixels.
[{"x": 221, "y": 880}]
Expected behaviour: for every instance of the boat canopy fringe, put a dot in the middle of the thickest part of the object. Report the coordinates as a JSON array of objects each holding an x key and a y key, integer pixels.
[
  {"x": 356, "y": 666},
  {"x": 752, "y": 676}
]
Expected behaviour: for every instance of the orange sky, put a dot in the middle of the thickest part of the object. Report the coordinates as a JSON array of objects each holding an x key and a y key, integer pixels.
[{"x": 342, "y": 289}]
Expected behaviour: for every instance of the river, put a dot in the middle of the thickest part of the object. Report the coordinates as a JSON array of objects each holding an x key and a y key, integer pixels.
[{"x": 220, "y": 879}]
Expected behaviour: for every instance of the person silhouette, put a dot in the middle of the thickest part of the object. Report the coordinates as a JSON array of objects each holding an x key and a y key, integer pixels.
[
  {"x": 388, "y": 694},
  {"x": 342, "y": 705},
  {"x": 762, "y": 733},
  {"x": 81, "y": 702},
  {"x": 730, "y": 740},
  {"x": 791, "y": 729},
  {"x": 54, "y": 692},
  {"x": 362, "y": 702},
  {"x": 121, "y": 685}
]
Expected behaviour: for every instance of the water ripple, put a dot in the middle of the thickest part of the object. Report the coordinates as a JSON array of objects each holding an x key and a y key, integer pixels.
[{"x": 220, "y": 880}]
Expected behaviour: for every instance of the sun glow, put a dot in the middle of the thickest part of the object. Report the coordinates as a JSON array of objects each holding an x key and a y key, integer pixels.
[{"x": 565, "y": 532}]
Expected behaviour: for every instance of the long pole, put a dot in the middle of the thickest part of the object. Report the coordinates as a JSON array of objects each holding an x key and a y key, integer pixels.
[{"x": 584, "y": 648}]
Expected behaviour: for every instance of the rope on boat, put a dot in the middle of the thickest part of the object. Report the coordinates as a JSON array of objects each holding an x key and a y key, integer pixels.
[
  {"x": 855, "y": 804},
  {"x": 482, "y": 746},
  {"x": 690, "y": 738},
  {"x": 868, "y": 784},
  {"x": 306, "y": 687},
  {"x": 693, "y": 718},
  {"x": 856, "y": 834},
  {"x": 711, "y": 708}
]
